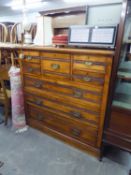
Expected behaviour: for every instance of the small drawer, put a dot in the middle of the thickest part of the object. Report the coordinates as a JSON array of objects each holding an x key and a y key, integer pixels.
[
  {"x": 31, "y": 68},
  {"x": 89, "y": 78},
  {"x": 82, "y": 132},
  {"x": 56, "y": 66},
  {"x": 55, "y": 55},
  {"x": 29, "y": 55},
  {"x": 89, "y": 63}
]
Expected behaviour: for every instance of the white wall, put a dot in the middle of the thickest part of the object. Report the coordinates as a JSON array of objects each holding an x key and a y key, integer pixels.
[{"x": 104, "y": 15}]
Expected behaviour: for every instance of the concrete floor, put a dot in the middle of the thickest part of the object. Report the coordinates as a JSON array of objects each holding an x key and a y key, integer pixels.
[{"x": 34, "y": 153}]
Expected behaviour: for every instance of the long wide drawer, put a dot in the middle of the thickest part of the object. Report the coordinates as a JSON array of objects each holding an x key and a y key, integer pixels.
[
  {"x": 67, "y": 100},
  {"x": 82, "y": 132},
  {"x": 88, "y": 116},
  {"x": 88, "y": 93}
]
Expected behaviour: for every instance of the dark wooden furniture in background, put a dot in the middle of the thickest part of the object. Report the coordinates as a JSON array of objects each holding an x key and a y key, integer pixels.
[
  {"x": 62, "y": 19},
  {"x": 117, "y": 130},
  {"x": 66, "y": 93}
]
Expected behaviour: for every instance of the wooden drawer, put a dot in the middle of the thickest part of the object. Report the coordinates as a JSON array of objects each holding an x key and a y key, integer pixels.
[
  {"x": 31, "y": 67},
  {"x": 89, "y": 63},
  {"x": 55, "y": 55},
  {"x": 89, "y": 78},
  {"x": 54, "y": 66},
  {"x": 60, "y": 98},
  {"x": 88, "y": 94},
  {"x": 31, "y": 54},
  {"x": 57, "y": 122},
  {"x": 88, "y": 116}
]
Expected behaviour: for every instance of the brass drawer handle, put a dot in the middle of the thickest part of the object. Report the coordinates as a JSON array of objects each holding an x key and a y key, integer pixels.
[
  {"x": 38, "y": 102},
  {"x": 78, "y": 93},
  {"x": 55, "y": 66},
  {"x": 30, "y": 69},
  {"x": 40, "y": 117},
  {"x": 38, "y": 84},
  {"x": 87, "y": 79},
  {"x": 76, "y": 132},
  {"x": 76, "y": 114},
  {"x": 88, "y": 63},
  {"x": 29, "y": 57}
]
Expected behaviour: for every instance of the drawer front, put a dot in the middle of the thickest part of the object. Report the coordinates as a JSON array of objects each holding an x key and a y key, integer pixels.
[
  {"x": 83, "y": 104},
  {"x": 55, "y": 55},
  {"x": 31, "y": 68},
  {"x": 56, "y": 66},
  {"x": 88, "y": 116},
  {"x": 91, "y": 58},
  {"x": 89, "y": 66},
  {"x": 87, "y": 94},
  {"x": 89, "y": 78},
  {"x": 29, "y": 55},
  {"x": 57, "y": 122}
]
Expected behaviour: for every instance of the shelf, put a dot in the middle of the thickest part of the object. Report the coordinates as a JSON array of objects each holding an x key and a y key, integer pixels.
[
  {"x": 124, "y": 75},
  {"x": 120, "y": 104}
]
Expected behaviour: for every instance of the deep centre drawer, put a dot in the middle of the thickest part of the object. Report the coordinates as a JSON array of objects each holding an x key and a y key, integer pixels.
[{"x": 56, "y": 122}]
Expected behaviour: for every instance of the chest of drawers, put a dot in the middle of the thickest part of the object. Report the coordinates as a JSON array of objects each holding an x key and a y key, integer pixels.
[{"x": 66, "y": 92}]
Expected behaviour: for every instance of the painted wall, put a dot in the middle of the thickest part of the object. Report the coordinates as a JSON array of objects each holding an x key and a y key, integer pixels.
[{"x": 104, "y": 15}]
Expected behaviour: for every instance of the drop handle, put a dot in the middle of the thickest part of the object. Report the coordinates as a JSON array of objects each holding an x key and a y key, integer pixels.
[
  {"x": 78, "y": 93},
  {"x": 88, "y": 63},
  {"x": 87, "y": 79},
  {"x": 76, "y": 132},
  {"x": 40, "y": 117},
  {"x": 38, "y": 84},
  {"x": 38, "y": 102},
  {"x": 55, "y": 66},
  {"x": 30, "y": 69},
  {"x": 76, "y": 114}
]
